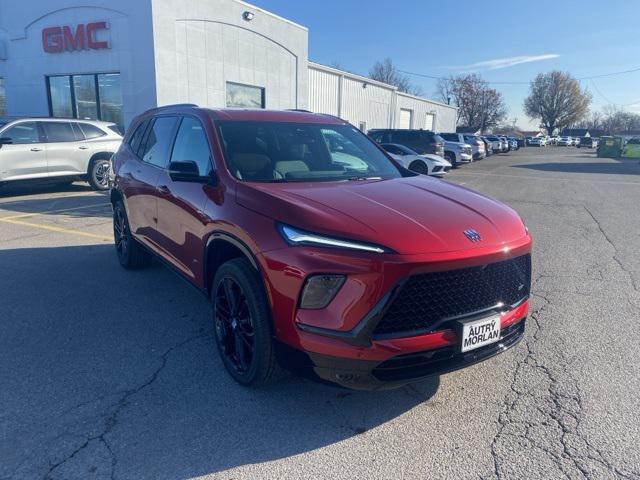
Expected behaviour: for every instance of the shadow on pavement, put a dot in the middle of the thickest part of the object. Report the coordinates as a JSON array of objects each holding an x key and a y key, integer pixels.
[
  {"x": 36, "y": 187},
  {"x": 93, "y": 204},
  {"x": 114, "y": 373},
  {"x": 622, "y": 167}
]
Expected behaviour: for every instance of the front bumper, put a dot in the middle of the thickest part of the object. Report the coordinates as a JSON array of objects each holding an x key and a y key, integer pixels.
[{"x": 397, "y": 370}]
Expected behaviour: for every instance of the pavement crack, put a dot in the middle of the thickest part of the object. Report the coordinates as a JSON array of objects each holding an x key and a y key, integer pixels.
[
  {"x": 110, "y": 420},
  {"x": 615, "y": 255}
]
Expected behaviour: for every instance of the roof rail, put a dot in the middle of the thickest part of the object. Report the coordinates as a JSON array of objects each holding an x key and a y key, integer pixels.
[
  {"x": 174, "y": 105},
  {"x": 298, "y": 110}
]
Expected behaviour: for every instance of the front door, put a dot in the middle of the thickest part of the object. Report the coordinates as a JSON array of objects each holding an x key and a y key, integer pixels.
[
  {"x": 181, "y": 205},
  {"x": 25, "y": 157}
]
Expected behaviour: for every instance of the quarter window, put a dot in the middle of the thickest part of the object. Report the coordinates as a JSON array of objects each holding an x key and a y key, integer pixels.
[
  {"x": 136, "y": 138},
  {"x": 191, "y": 145},
  {"x": 91, "y": 131},
  {"x": 23, "y": 133},
  {"x": 158, "y": 140}
]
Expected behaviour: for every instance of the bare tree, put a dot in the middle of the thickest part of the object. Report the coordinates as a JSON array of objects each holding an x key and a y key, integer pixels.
[
  {"x": 386, "y": 72},
  {"x": 557, "y": 100},
  {"x": 479, "y": 106}
]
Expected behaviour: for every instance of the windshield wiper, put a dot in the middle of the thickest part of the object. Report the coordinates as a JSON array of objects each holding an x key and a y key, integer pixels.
[{"x": 360, "y": 179}]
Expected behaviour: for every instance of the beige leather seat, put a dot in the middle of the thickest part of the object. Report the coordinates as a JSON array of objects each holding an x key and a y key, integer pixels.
[{"x": 282, "y": 168}]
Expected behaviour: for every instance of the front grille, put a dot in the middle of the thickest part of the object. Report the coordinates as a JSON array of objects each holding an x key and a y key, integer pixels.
[{"x": 426, "y": 299}]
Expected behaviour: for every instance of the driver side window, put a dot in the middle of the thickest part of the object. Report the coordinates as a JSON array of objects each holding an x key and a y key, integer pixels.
[{"x": 22, "y": 133}]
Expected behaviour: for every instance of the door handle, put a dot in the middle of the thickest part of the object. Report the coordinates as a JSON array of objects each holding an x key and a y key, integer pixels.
[
  {"x": 82, "y": 147},
  {"x": 36, "y": 149}
]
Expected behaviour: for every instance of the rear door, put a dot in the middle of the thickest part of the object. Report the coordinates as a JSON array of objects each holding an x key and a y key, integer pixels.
[
  {"x": 64, "y": 148},
  {"x": 25, "y": 157},
  {"x": 140, "y": 176},
  {"x": 181, "y": 205}
]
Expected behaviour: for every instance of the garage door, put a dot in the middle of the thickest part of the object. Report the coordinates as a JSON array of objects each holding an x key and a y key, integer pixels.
[
  {"x": 429, "y": 121},
  {"x": 405, "y": 118}
]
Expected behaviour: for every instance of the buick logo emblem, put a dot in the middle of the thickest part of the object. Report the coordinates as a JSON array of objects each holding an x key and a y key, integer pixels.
[{"x": 472, "y": 235}]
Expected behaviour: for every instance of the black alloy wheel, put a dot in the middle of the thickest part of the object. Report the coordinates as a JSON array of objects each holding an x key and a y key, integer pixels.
[{"x": 234, "y": 326}]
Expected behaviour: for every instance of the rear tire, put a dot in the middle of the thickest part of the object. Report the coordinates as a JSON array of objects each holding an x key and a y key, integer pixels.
[
  {"x": 419, "y": 167},
  {"x": 99, "y": 173},
  {"x": 242, "y": 324},
  {"x": 131, "y": 254},
  {"x": 451, "y": 158}
]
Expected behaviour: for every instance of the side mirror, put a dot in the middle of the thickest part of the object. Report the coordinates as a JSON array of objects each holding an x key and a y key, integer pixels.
[{"x": 188, "y": 171}]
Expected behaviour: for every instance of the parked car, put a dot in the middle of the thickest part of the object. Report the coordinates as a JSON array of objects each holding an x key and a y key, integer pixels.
[
  {"x": 477, "y": 146},
  {"x": 587, "y": 142},
  {"x": 421, "y": 141},
  {"x": 426, "y": 164},
  {"x": 308, "y": 264},
  {"x": 456, "y": 153},
  {"x": 488, "y": 146},
  {"x": 58, "y": 150},
  {"x": 498, "y": 144},
  {"x": 538, "y": 142},
  {"x": 565, "y": 141},
  {"x": 513, "y": 143},
  {"x": 554, "y": 140}
]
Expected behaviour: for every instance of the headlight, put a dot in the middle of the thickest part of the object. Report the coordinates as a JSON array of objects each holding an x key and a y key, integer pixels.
[{"x": 293, "y": 236}]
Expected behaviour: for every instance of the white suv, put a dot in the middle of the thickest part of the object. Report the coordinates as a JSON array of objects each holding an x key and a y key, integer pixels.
[{"x": 57, "y": 149}]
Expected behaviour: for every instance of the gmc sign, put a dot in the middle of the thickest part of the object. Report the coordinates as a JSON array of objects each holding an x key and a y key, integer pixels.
[{"x": 66, "y": 38}]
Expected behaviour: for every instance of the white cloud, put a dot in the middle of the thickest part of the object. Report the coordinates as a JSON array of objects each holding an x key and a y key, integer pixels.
[{"x": 498, "y": 63}]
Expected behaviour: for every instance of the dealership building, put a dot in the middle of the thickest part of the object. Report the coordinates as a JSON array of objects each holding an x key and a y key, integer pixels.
[{"x": 113, "y": 60}]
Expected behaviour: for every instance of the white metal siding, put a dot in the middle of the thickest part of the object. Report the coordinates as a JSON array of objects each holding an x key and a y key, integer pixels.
[
  {"x": 359, "y": 99},
  {"x": 324, "y": 89}
]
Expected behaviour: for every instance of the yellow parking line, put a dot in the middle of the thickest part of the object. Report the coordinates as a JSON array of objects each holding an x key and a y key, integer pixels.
[
  {"x": 51, "y": 228},
  {"x": 50, "y": 212}
]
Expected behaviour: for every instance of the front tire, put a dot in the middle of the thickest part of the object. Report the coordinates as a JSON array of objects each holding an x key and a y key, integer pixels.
[
  {"x": 99, "y": 174},
  {"x": 419, "y": 167},
  {"x": 451, "y": 158},
  {"x": 242, "y": 324},
  {"x": 131, "y": 254}
]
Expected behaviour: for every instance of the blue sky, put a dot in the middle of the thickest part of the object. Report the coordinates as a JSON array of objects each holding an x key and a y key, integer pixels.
[{"x": 585, "y": 38}]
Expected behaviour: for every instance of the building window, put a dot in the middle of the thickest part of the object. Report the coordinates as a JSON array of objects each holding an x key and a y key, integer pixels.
[
  {"x": 244, "y": 96},
  {"x": 91, "y": 96},
  {"x": 3, "y": 99}
]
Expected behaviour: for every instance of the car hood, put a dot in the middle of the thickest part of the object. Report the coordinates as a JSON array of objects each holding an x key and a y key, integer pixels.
[{"x": 410, "y": 215}]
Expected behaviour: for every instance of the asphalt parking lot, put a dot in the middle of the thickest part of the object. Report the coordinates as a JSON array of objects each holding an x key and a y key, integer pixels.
[{"x": 107, "y": 373}]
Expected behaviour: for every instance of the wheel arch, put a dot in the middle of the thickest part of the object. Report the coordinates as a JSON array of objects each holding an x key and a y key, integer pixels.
[
  {"x": 101, "y": 155},
  {"x": 220, "y": 248}
]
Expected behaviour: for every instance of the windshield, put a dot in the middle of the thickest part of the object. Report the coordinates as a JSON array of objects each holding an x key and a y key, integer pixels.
[{"x": 294, "y": 152}]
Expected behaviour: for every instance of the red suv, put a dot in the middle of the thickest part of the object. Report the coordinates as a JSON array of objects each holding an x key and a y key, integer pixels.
[{"x": 318, "y": 252}]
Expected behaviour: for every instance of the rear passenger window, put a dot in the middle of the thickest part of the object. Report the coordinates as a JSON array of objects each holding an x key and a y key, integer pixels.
[
  {"x": 91, "y": 131},
  {"x": 58, "y": 132},
  {"x": 191, "y": 145},
  {"x": 158, "y": 140},
  {"x": 136, "y": 138}
]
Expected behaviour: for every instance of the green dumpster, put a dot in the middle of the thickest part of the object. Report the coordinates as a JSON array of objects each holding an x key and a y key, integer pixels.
[
  {"x": 632, "y": 148},
  {"x": 610, "y": 147}
]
